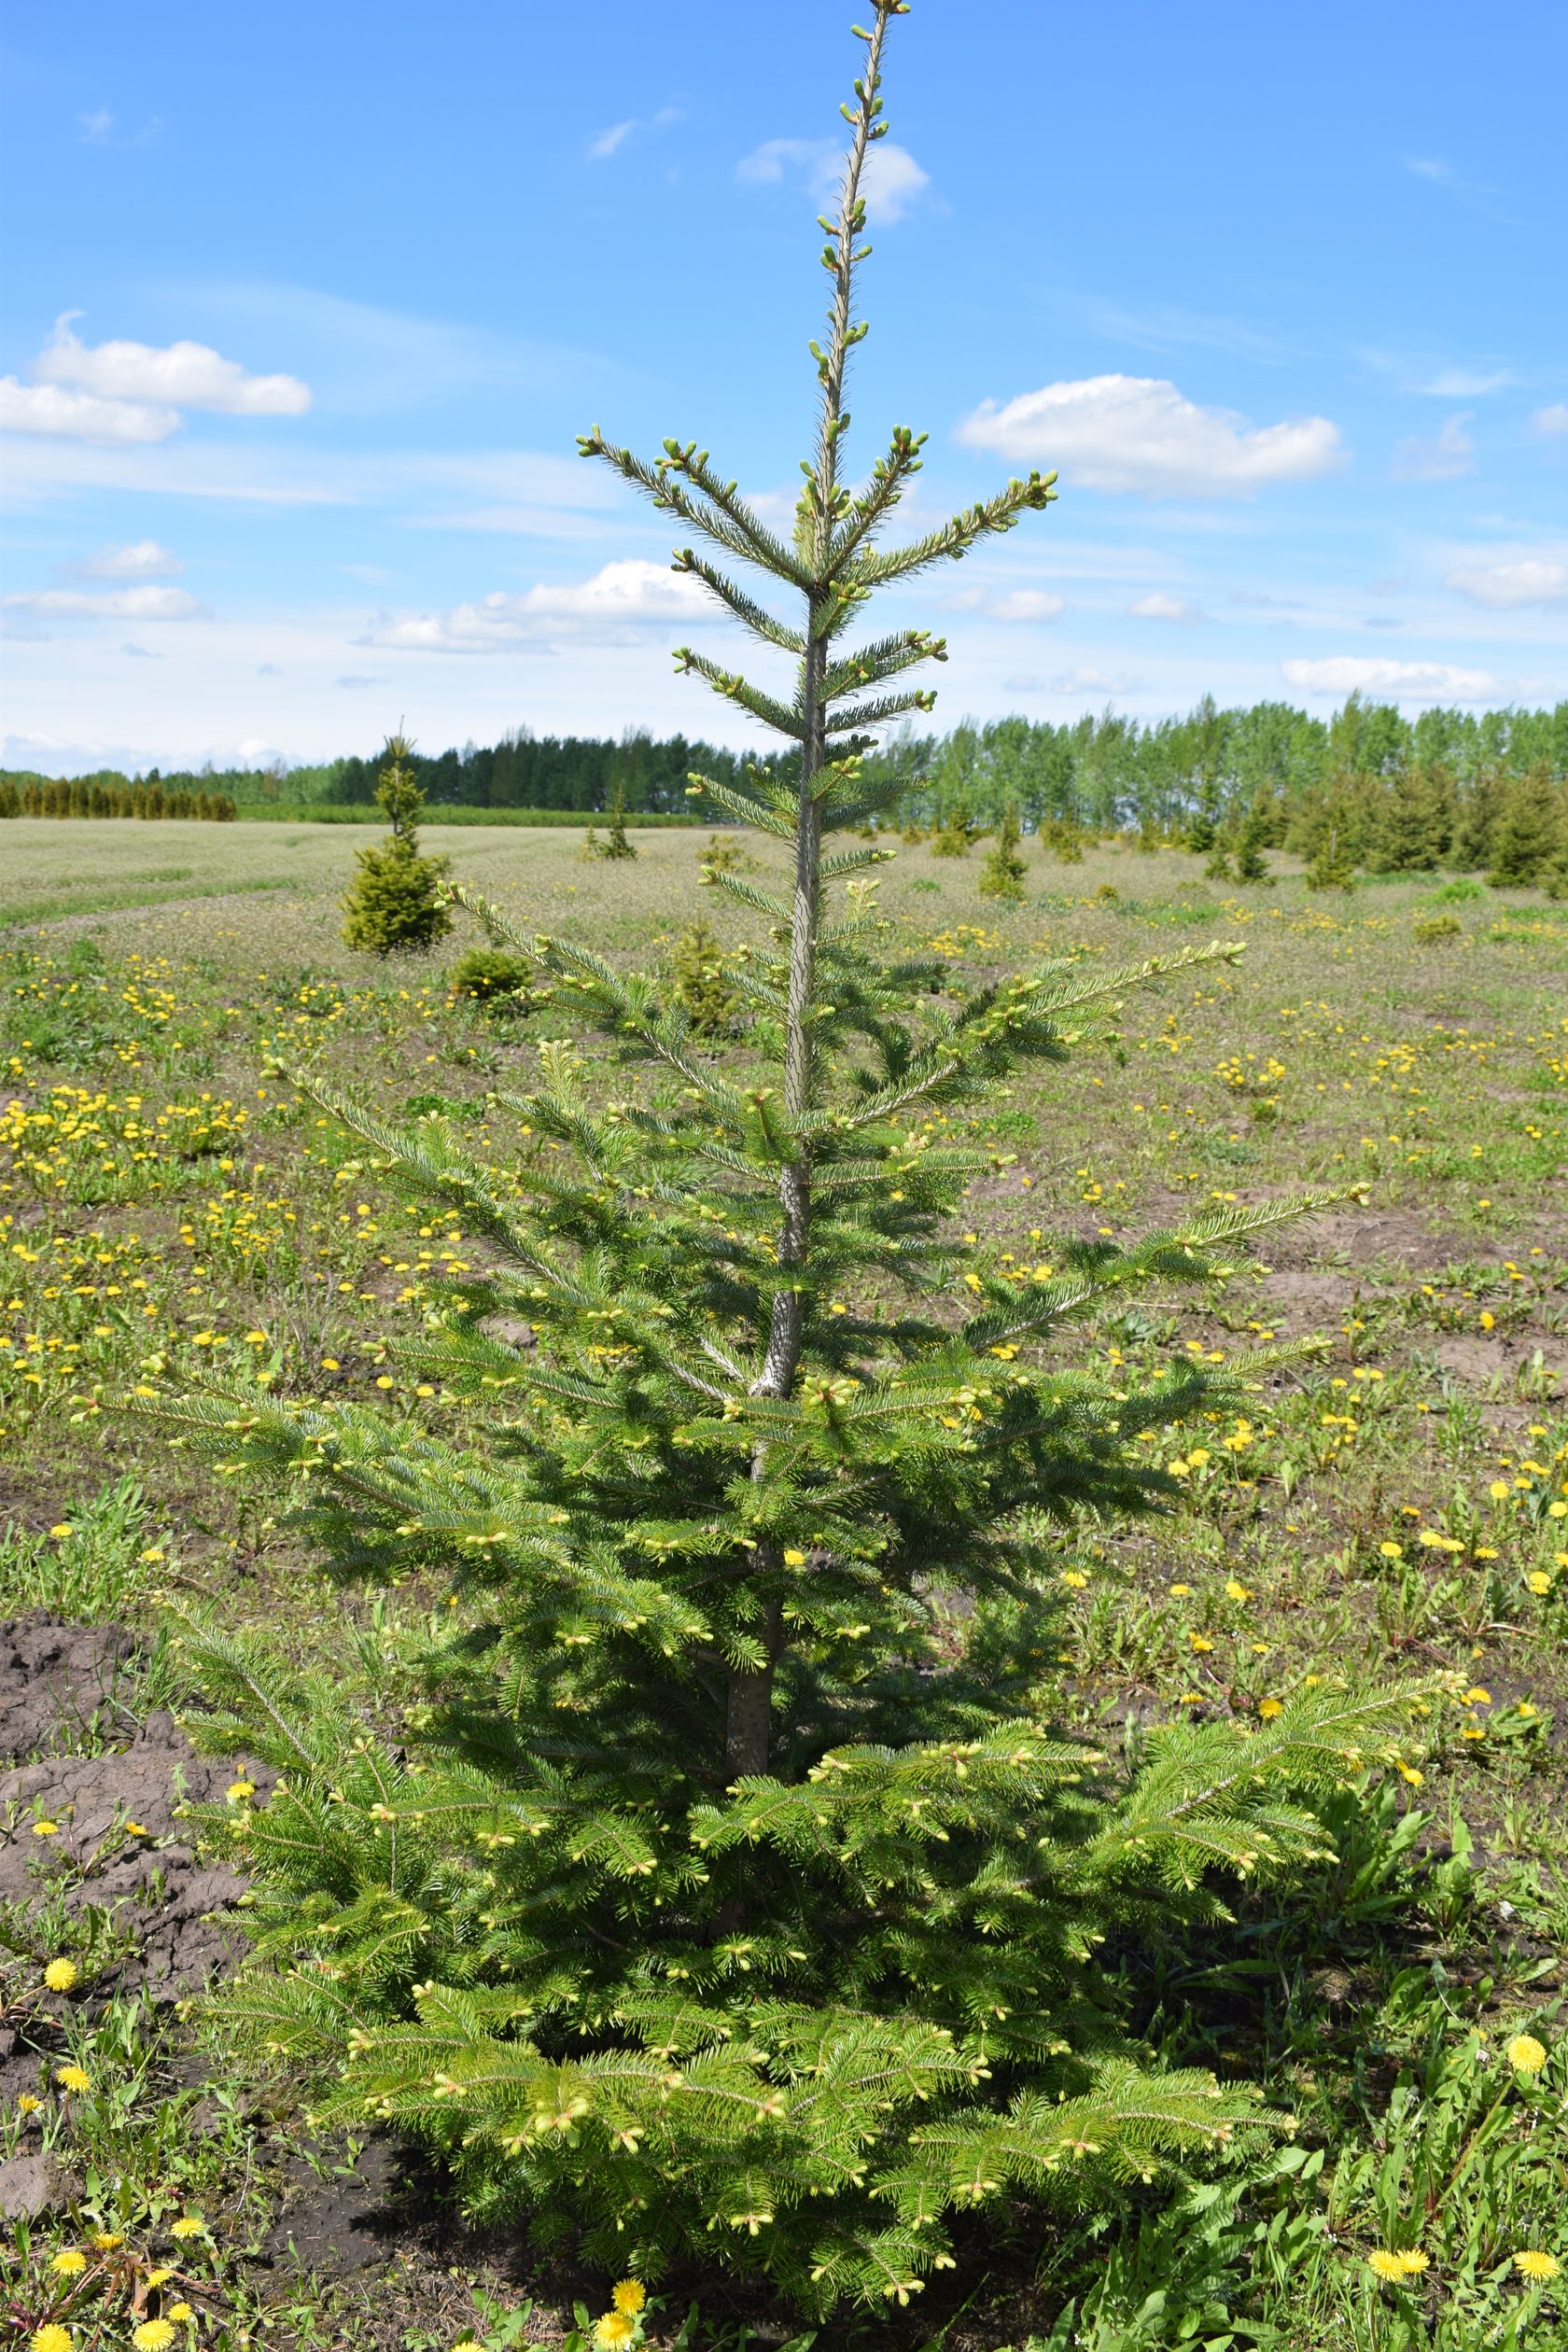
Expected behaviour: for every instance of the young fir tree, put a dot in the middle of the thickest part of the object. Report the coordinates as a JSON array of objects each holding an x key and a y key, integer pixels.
[
  {"x": 1525, "y": 834},
  {"x": 615, "y": 844},
  {"x": 1329, "y": 864},
  {"x": 957, "y": 832},
  {"x": 1413, "y": 821},
  {"x": 710, "y": 1908},
  {"x": 1252, "y": 834},
  {"x": 397, "y": 900},
  {"x": 1004, "y": 873}
]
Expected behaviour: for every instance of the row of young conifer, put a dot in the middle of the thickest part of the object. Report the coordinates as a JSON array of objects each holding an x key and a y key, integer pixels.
[{"x": 79, "y": 796}]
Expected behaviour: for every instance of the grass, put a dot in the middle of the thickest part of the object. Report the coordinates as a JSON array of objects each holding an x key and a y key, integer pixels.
[{"x": 170, "y": 1205}]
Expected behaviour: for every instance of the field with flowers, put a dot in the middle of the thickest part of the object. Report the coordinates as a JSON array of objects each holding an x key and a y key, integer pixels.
[{"x": 170, "y": 1203}]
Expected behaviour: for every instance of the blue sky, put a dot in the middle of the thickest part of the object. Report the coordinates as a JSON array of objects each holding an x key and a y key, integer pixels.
[{"x": 304, "y": 306}]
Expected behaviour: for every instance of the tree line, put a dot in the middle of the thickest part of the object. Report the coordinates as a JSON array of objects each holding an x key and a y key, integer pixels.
[{"x": 110, "y": 794}]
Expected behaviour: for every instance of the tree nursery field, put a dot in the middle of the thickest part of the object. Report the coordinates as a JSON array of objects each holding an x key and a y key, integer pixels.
[{"x": 1385, "y": 1512}]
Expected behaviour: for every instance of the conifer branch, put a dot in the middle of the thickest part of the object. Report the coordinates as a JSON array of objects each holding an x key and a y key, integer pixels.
[
  {"x": 733, "y": 687},
  {"x": 745, "y": 609}
]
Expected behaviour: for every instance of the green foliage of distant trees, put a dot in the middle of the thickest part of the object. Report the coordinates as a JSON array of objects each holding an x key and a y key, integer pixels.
[
  {"x": 110, "y": 794},
  {"x": 1399, "y": 785}
]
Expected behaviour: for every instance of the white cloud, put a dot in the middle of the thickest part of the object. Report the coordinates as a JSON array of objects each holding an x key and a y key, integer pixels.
[
  {"x": 96, "y": 126},
  {"x": 1137, "y": 433},
  {"x": 183, "y": 374},
  {"x": 607, "y": 141},
  {"x": 116, "y": 604},
  {"x": 610, "y": 142},
  {"x": 1553, "y": 419},
  {"x": 1091, "y": 681},
  {"x": 1010, "y": 604},
  {"x": 890, "y": 178},
  {"x": 137, "y": 559},
  {"x": 1465, "y": 383},
  {"x": 765, "y": 166},
  {"x": 1444, "y": 458},
  {"x": 1025, "y": 604},
  {"x": 630, "y": 593},
  {"x": 1420, "y": 681},
  {"x": 43, "y": 408},
  {"x": 1530, "y": 580},
  {"x": 1160, "y": 607}
]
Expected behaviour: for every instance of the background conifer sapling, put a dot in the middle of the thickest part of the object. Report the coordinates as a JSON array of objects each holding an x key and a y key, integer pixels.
[
  {"x": 1004, "y": 873},
  {"x": 397, "y": 900},
  {"x": 708, "y": 1909}
]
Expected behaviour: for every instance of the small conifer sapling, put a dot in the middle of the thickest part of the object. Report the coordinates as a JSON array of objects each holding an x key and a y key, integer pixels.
[
  {"x": 397, "y": 901},
  {"x": 1004, "y": 873}
]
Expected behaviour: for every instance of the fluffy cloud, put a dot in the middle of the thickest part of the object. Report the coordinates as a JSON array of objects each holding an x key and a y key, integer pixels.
[
  {"x": 632, "y": 593},
  {"x": 1443, "y": 458},
  {"x": 137, "y": 559},
  {"x": 1420, "y": 681},
  {"x": 1010, "y": 604},
  {"x": 890, "y": 178},
  {"x": 182, "y": 374},
  {"x": 43, "y": 408},
  {"x": 1530, "y": 580},
  {"x": 1553, "y": 419},
  {"x": 1156, "y": 606},
  {"x": 1092, "y": 681},
  {"x": 1137, "y": 433},
  {"x": 111, "y": 604}
]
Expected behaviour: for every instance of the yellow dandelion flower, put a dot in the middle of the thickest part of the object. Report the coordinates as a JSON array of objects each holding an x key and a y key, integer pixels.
[
  {"x": 1412, "y": 2262},
  {"x": 72, "y": 2077},
  {"x": 615, "y": 2331},
  {"x": 157, "y": 2277},
  {"x": 181, "y": 2311},
  {"x": 1409, "y": 1773},
  {"x": 1540, "y": 1581},
  {"x": 794, "y": 1559},
  {"x": 1499, "y": 1490},
  {"x": 1392, "y": 1551},
  {"x": 60, "y": 1532},
  {"x": 61, "y": 1975},
  {"x": 54, "y": 2338},
  {"x": 109, "y": 2241},
  {"x": 1269, "y": 1708},
  {"x": 1533, "y": 2264},
  {"x": 1386, "y": 2263},
  {"x": 1527, "y": 2054},
  {"x": 29, "y": 2103},
  {"x": 238, "y": 1790},
  {"x": 45, "y": 1828},
  {"x": 631, "y": 2296},
  {"x": 189, "y": 2225},
  {"x": 153, "y": 2334},
  {"x": 70, "y": 2261},
  {"x": 1237, "y": 1590}
]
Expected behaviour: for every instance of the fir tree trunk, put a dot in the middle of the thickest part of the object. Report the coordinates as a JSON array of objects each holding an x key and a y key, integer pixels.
[{"x": 749, "y": 1712}]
